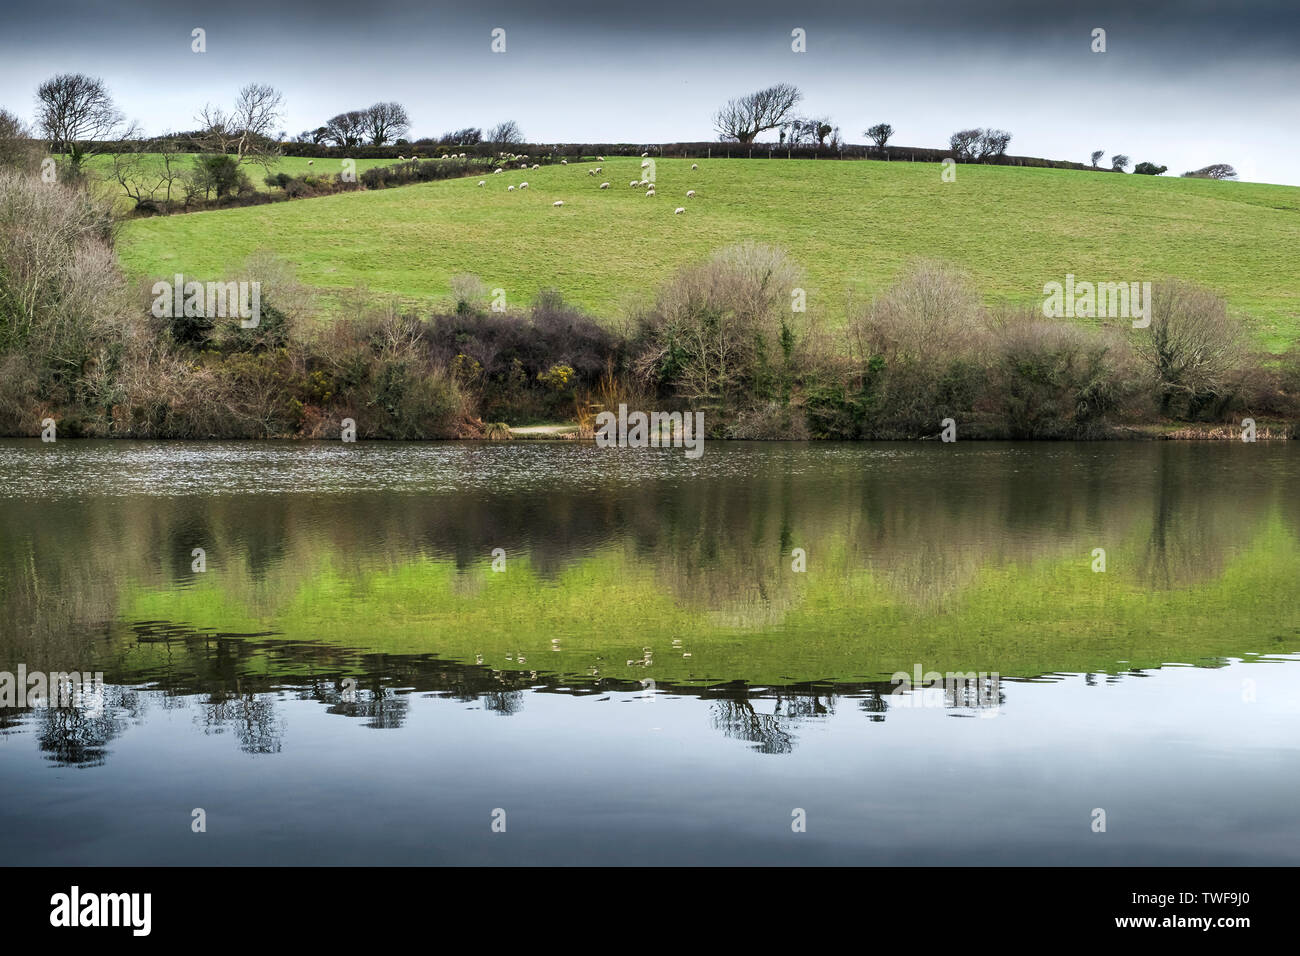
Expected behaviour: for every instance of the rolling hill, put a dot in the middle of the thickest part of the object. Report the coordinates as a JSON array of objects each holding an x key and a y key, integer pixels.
[{"x": 851, "y": 225}]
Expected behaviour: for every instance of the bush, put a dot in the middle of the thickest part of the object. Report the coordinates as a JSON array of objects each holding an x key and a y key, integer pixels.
[
  {"x": 722, "y": 333},
  {"x": 1054, "y": 380},
  {"x": 1193, "y": 352}
]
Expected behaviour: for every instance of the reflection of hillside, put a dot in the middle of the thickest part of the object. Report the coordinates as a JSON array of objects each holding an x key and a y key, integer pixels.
[{"x": 920, "y": 527}]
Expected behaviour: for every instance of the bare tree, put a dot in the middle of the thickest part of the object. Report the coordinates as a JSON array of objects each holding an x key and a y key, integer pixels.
[
  {"x": 74, "y": 113},
  {"x": 1213, "y": 171},
  {"x": 385, "y": 122},
  {"x": 505, "y": 134},
  {"x": 963, "y": 143},
  {"x": 245, "y": 131},
  {"x": 880, "y": 134},
  {"x": 1097, "y": 154},
  {"x": 1118, "y": 162},
  {"x": 977, "y": 145},
  {"x": 16, "y": 147},
  {"x": 745, "y": 118},
  {"x": 346, "y": 129},
  {"x": 1192, "y": 349},
  {"x": 144, "y": 167}
]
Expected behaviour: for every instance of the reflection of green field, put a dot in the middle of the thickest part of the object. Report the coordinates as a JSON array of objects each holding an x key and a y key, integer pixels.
[{"x": 835, "y": 622}]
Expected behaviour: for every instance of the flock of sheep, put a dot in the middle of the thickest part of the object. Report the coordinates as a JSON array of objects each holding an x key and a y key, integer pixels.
[{"x": 635, "y": 183}]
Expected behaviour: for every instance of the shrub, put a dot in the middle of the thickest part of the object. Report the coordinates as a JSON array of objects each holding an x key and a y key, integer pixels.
[
  {"x": 1193, "y": 352},
  {"x": 1054, "y": 380},
  {"x": 722, "y": 332}
]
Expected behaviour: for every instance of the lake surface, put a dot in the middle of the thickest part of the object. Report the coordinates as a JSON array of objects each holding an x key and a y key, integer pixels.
[{"x": 628, "y": 656}]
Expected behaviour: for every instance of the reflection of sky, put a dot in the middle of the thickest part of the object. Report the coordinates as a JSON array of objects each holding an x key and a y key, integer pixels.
[
  {"x": 1187, "y": 771},
  {"x": 1181, "y": 84}
]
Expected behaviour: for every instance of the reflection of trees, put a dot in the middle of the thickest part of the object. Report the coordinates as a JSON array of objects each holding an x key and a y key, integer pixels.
[
  {"x": 250, "y": 716},
  {"x": 79, "y": 736},
  {"x": 737, "y": 718}
]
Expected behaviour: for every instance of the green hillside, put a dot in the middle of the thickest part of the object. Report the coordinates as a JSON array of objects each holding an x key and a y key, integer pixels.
[{"x": 851, "y": 225}]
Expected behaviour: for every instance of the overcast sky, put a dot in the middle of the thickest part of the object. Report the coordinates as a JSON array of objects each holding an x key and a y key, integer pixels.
[{"x": 1180, "y": 84}]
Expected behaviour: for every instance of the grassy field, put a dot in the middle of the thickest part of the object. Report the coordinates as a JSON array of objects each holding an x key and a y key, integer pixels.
[{"x": 851, "y": 225}]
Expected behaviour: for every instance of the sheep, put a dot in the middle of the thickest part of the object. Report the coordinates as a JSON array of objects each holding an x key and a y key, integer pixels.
[
  {"x": 695, "y": 165},
  {"x": 311, "y": 162},
  {"x": 497, "y": 170},
  {"x": 690, "y": 194},
  {"x": 523, "y": 165},
  {"x": 646, "y": 164},
  {"x": 650, "y": 191},
  {"x": 564, "y": 162},
  {"x": 597, "y": 169},
  {"x": 591, "y": 172},
  {"x": 558, "y": 202},
  {"x": 643, "y": 156},
  {"x": 523, "y": 185},
  {"x": 537, "y": 165},
  {"x": 510, "y": 189},
  {"x": 604, "y": 185},
  {"x": 401, "y": 158},
  {"x": 679, "y": 210},
  {"x": 600, "y": 159},
  {"x": 482, "y": 182},
  {"x": 634, "y": 183}
]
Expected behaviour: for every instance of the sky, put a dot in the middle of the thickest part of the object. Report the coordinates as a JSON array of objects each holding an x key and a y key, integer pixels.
[{"x": 1179, "y": 84}]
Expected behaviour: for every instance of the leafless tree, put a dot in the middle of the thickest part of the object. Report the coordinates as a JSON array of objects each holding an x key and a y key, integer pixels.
[
  {"x": 144, "y": 167},
  {"x": 75, "y": 113},
  {"x": 1214, "y": 171},
  {"x": 1192, "y": 348},
  {"x": 346, "y": 129},
  {"x": 1097, "y": 154},
  {"x": 386, "y": 122},
  {"x": 505, "y": 134},
  {"x": 745, "y": 118},
  {"x": 16, "y": 146},
  {"x": 880, "y": 134},
  {"x": 246, "y": 131}
]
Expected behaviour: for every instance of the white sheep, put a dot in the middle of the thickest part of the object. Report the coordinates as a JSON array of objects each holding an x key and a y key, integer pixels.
[
  {"x": 634, "y": 183},
  {"x": 591, "y": 172},
  {"x": 690, "y": 194},
  {"x": 523, "y": 165},
  {"x": 497, "y": 170},
  {"x": 597, "y": 169},
  {"x": 523, "y": 185},
  {"x": 695, "y": 165},
  {"x": 311, "y": 162},
  {"x": 646, "y": 164},
  {"x": 558, "y": 202},
  {"x": 537, "y": 165},
  {"x": 564, "y": 162},
  {"x": 679, "y": 210},
  {"x": 482, "y": 182},
  {"x": 604, "y": 185},
  {"x": 600, "y": 159},
  {"x": 650, "y": 191},
  {"x": 510, "y": 189},
  {"x": 401, "y": 157}
]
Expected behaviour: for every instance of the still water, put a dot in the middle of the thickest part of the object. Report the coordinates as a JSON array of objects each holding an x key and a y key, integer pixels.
[{"x": 380, "y": 653}]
